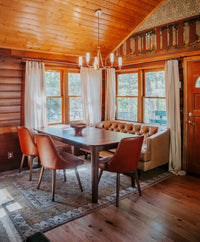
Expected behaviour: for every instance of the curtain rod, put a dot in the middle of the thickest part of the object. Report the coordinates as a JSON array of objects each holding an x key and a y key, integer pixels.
[
  {"x": 148, "y": 61},
  {"x": 47, "y": 61},
  {"x": 76, "y": 64}
]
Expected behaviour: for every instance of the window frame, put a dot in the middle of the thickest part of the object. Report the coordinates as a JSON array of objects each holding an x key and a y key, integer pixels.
[
  {"x": 141, "y": 90},
  {"x": 69, "y": 96},
  {"x": 61, "y": 92},
  {"x": 144, "y": 89},
  {"x": 65, "y": 98},
  {"x": 119, "y": 96}
]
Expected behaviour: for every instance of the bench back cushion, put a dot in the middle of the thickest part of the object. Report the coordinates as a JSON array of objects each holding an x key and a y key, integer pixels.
[{"x": 130, "y": 128}]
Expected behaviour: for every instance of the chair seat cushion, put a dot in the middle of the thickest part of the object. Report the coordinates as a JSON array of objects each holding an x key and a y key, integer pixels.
[
  {"x": 68, "y": 160},
  {"x": 105, "y": 154}
]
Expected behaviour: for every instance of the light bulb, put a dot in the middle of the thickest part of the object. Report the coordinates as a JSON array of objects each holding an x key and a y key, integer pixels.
[
  {"x": 96, "y": 61},
  {"x": 119, "y": 61},
  {"x": 80, "y": 60},
  {"x": 111, "y": 58},
  {"x": 87, "y": 58}
]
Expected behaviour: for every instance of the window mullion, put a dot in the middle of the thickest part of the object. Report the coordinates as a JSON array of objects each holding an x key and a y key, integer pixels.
[
  {"x": 140, "y": 94},
  {"x": 66, "y": 98}
]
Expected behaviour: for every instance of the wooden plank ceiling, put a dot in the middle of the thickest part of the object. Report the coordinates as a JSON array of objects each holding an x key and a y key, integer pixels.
[{"x": 69, "y": 27}]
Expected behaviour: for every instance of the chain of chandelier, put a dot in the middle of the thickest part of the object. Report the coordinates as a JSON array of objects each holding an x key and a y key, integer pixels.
[{"x": 98, "y": 61}]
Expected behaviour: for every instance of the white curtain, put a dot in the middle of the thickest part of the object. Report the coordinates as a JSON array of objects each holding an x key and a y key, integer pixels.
[
  {"x": 173, "y": 115},
  {"x": 35, "y": 98},
  {"x": 110, "y": 100},
  {"x": 91, "y": 91}
]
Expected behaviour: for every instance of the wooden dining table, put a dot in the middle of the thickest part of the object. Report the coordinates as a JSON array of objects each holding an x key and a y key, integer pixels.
[{"x": 92, "y": 139}]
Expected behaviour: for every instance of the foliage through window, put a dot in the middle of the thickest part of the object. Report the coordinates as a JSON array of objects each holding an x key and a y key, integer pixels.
[
  {"x": 74, "y": 93},
  {"x": 141, "y": 99},
  {"x": 154, "y": 97},
  {"x": 127, "y": 96},
  {"x": 63, "y": 96},
  {"x": 54, "y": 96}
]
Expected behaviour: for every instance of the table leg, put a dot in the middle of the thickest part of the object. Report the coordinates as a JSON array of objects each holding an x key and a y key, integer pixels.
[{"x": 95, "y": 166}]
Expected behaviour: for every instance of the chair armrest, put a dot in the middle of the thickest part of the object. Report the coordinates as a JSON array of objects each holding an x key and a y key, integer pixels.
[{"x": 158, "y": 145}]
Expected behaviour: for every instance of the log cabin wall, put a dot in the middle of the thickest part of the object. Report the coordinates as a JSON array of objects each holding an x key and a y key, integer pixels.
[
  {"x": 12, "y": 104},
  {"x": 11, "y": 110}
]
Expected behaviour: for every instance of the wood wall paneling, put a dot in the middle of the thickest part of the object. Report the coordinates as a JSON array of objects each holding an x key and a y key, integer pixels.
[
  {"x": 70, "y": 27},
  {"x": 11, "y": 110},
  {"x": 9, "y": 143}
]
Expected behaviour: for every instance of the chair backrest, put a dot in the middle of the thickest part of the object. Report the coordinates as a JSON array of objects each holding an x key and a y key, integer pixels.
[
  {"x": 48, "y": 154},
  {"x": 127, "y": 155},
  {"x": 26, "y": 141}
]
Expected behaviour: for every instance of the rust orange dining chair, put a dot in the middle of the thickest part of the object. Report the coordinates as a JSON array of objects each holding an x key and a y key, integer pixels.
[
  {"x": 28, "y": 147},
  {"x": 51, "y": 158},
  {"x": 124, "y": 160}
]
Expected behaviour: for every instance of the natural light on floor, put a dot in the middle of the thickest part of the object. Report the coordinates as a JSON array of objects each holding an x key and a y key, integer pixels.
[{"x": 5, "y": 197}]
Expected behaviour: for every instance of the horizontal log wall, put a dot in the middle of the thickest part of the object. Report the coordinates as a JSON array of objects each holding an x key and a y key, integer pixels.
[{"x": 11, "y": 110}]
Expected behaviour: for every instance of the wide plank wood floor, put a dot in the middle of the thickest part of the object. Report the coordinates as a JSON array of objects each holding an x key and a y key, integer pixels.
[{"x": 168, "y": 211}]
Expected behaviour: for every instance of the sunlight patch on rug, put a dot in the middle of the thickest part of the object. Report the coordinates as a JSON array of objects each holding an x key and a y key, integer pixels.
[{"x": 31, "y": 210}]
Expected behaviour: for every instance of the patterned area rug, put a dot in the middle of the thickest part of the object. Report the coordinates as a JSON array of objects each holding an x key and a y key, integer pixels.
[{"x": 30, "y": 210}]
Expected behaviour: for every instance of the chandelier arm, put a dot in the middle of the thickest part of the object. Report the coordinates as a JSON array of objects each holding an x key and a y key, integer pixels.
[
  {"x": 101, "y": 59},
  {"x": 98, "y": 63}
]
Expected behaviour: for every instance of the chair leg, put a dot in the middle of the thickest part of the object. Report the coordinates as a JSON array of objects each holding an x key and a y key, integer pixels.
[
  {"x": 100, "y": 174},
  {"x": 139, "y": 172},
  {"x": 22, "y": 162},
  {"x": 39, "y": 163},
  {"x": 53, "y": 184},
  {"x": 31, "y": 167},
  {"x": 117, "y": 189},
  {"x": 137, "y": 181},
  {"x": 40, "y": 178},
  {"x": 132, "y": 179},
  {"x": 65, "y": 179},
  {"x": 78, "y": 178},
  {"x": 86, "y": 155}
]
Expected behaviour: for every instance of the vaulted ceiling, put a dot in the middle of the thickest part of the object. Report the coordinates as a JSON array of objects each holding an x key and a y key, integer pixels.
[{"x": 69, "y": 27}]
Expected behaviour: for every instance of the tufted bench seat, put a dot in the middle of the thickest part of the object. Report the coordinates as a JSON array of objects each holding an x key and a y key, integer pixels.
[{"x": 155, "y": 149}]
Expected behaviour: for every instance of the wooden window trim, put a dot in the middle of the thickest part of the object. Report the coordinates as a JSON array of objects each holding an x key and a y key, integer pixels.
[
  {"x": 64, "y": 91},
  {"x": 141, "y": 89},
  {"x": 54, "y": 69},
  {"x": 69, "y": 96},
  {"x": 143, "y": 82},
  {"x": 117, "y": 96}
]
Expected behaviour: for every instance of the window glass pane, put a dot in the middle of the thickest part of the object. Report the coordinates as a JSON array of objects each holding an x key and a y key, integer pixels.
[
  {"x": 155, "y": 111},
  {"x": 74, "y": 84},
  {"x": 128, "y": 84},
  {"x": 52, "y": 83},
  {"x": 54, "y": 110},
  {"x": 155, "y": 84},
  {"x": 75, "y": 108},
  {"x": 197, "y": 85},
  {"x": 127, "y": 108}
]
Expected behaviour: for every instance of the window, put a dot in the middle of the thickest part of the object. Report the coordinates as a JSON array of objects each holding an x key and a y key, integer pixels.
[
  {"x": 197, "y": 85},
  {"x": 74, "y": 93},
  {"x": 54, "y": 96},
  {"x": 127, "y": 96},
  {"x": 141, "y": 99},
  {"x": 63, "y": 96},
  {"x": 154, "y": 97}
]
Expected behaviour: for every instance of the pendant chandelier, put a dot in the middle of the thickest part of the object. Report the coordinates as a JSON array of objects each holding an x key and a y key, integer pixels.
[{"x": 98, "y": 61}]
